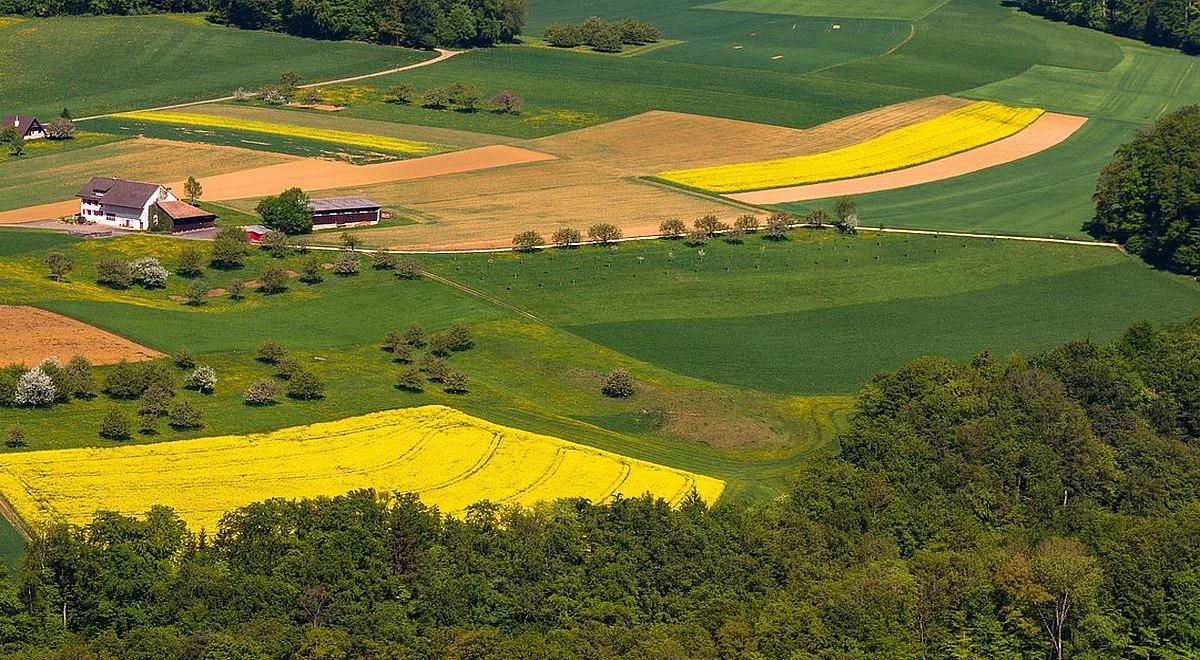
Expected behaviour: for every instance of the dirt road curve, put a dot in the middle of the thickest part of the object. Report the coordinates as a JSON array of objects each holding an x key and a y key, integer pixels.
[{"x": 1049, "y": 130}]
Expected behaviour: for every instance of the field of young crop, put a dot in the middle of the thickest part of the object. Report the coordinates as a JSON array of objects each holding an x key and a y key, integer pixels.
[
  {"x": 266, "y": 135},
  {"x": 956, "y": 131},
  {"x": 99, "y": 64},
  {"x": 898, "y": 9},
  {"x": 449, "y": 459}
]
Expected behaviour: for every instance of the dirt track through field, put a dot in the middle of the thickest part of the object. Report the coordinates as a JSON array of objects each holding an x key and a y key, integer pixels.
[
  {"x": 32, "y": 334},
  {"x": 1049, "y": 130}
]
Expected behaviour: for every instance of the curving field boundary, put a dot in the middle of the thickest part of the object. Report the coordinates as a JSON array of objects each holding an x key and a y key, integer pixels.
[{"x": 1047, "y": 131}]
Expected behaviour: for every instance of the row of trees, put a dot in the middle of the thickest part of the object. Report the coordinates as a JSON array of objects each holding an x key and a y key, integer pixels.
[
  {"x": 414, "y": 23},
  {"x": 1021, "y": 508},
  {"x": 462, "y": 96},
  {"x": 74, "y": 7},
  {"x": 1174, "y": 23},
  {"x": 1148, "y": 197},
  {"x": 601, "y": 35}
]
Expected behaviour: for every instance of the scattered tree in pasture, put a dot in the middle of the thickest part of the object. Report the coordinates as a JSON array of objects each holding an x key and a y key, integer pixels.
[
  {"x": 563, "y": 36},
  {"x": 123, "y": 381},
  {"x": 272, "y": 280},
  {"x": 673, "y": 228},
  {"x": 439, "y": 344},
  {"x": 289, "y": 366},
  {"x": 60, "y": 128},
  {"x": 263, "y": 392},
  {"x": 184, "y": 359},
  {"x": 147, "y": 272},
  {"x": 460, "y": 337},
  {"x": 148, "y": 424},
  {"x": 710, "y": 225},
  {"x": 528, "y": 241},
  {"x": 190, "y": 263},
  {"x": 275, "y": 243},
  {"x": 637, "y": 32},
  {"x": 565, "y": 237},
  {"x": 779, "y": 225},
  {"x": 435, "y": 98},
  {"x": 58, "y": 377},
  {"x": 80, "y": 382},
  {"x": 14, "y": 141},
  {"x": 695, "y": 238},
  {"x": 150, "y": 375},
  {"x": 351, "y": 241},
  {"x": 113, "y": 272},
  {"x": 408, "y": 268},
  {"x": 607, "y": 40},
  {"x": 288, "y": 212},
  {"x": 734, "y": 236},
  {"x": 346, "y": 264},
  {"x": 203, "y": 380},
  {"x": 817, "y": 218},
  {"x": 290, "y": 79},
  {"x": 301, "y": 244},
  {"x": 9, "y": 376},
  {"x": 410, "y": 380},
  {"x": 65, "y": 113},
  {"x": 155, "y": 402},
  {"x": 60, "y": 265},
  {"x": 116, "y": 425},
  {"x": 312, "y": 270},
  {"x": 384, "y": 261},
  {"x": 270, "y": 352},
  {"x": 604, "y": 233},
  {"x": 237, "y": 290},
  {"x": 455, "y": 382},
  {"x": 618, "y": 384},
  {"x": 15, "y": 437},
  {"x": 506, "y": 102},
  {"x": 196, "y": 294},
  {"x": 846, "y": 211},
  {"x": 229, "y": 248},
  {"x": 35, "y": 389},
  {"x": 747, "y": 224},
  {"x": 414, "y": 335},
  {"x": 465, "y": 95},
  {"x": 193, "y": 189},
  {"x": 434, "y": 367},
  {"x": 400, "y": 95},
  {"x": 185, "y": 415},
  {"x": 305, "y": 385}
]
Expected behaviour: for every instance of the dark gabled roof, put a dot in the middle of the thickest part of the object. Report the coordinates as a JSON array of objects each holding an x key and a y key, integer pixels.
[
  {"x": 22, "y": 122},
  {"x": 183, "y": 211},
  {"x": 342, "y": 204},
  {"x": 118, "y": 192}
]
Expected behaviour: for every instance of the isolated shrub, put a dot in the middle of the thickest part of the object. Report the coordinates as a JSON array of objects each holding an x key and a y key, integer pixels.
[
  {"x": 673, "y": 228},
  {"x": 408, "y": 268},
  {"x": 465, "y": 95},
  {"x": 400, "y": 95},
  {"x": 270, "y": 352},
  {"x": 147, "y": 272},
  {"x": 778, "y": 226},
  {"x": 203, "y": 379},
  {"x": 414, "y": 335},
  {"x": 184, "y": 359},
  {"x": 434, "y": 367},
  {"x": 191, "y": 262},
  {"x": 15, "y": 437},
  {"x": 229, "y": 248},
  {"x": 60, "y": 128},
  {"x": 155, "y": 402},
  {"x": 846, "y": 212},
  {"x": 300, "y": 244},
  {"x": 122, "y": 381},
  {"x": 435, "y": 98},
  {"x": 275, "y": 243},
  {"x": 746, "y": 223},
  {"x": 115, "y": 425},
  {"x": 506, "y": 102},
  {"x": 237, "y": 290},
  {"x": 312, "y": 270},
  {"x": 384, "y": 261},
  {"x": 817, "y": 218},
  {"x": 272, "y": 280},
  {"x": 113, "y": 272},
  {"x": 288, "y": 212},
  {"x": 80, "y": 382},
  {"x": 528, "y": 241},
  {"x": 289, "y": 366},
  {"x": 148, "y": 424},
  {"x": 346, "y": 264},
  {"x": 564, "y": 237},
  {"x": 604, "y": 233},
  {"x": 455, "y": 382},
  {"x": 273, "y": 96},
  {"x": 305, "y": 386},
  {"x": 185, "y": 415},
  {"x": 618, "y": 384},
  {"x": 262, "y": 392},
  {"x": 195, "y": 295},
  {"x": 410, "y": 380},
  {"x": 59, "y": 264},
  {"x": 35, "y": 389},
  {"x": 351, "y": 241}
]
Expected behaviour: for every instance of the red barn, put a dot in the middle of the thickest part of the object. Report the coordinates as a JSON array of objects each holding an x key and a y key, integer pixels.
[{"x": 344, "y": 212}]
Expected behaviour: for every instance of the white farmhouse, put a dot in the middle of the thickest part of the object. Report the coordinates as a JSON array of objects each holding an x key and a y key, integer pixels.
[{"x": 119, "y": 203}]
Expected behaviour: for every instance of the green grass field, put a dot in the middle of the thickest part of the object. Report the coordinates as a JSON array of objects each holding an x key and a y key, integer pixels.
[
  {"x": 98, "y": 64},
  {"x": 909, "y": 10}
]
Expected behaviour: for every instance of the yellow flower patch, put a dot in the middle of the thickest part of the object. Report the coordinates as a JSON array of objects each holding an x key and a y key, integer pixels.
[
  {"x": 332, "y": 136},
  {"x": 448, "y": 458},
  {"x": 961, "y": 130}
]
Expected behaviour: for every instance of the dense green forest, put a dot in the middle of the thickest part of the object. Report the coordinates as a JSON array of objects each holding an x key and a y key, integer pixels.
[
  {"x": 1174, "y": 23},
  {"x": 1148, "y": 197},
  {"x": 1025, "y": 507},
  {"x": 414, "y": 23}
]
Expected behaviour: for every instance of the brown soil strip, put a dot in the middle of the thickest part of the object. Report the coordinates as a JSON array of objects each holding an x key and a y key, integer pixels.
[
  {"x": 1049, "y": 130},
  {"x": 32, "y": 334}
]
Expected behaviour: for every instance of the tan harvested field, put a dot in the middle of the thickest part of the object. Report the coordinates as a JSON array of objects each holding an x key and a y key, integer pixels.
[
  {"x": 32, "y": 334},
  {"x": 654, "y": 141},
  {"x": 487, "y": 208},
  {"x": 1049, "y": 129},
  {"x": 142, "y": 159}
]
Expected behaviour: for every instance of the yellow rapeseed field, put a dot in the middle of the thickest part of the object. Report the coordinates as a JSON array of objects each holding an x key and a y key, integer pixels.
[
  {"x": 447, "y": 457},
  {"x": 344, "y": 138},
  {"x": 957, "y": 131}
]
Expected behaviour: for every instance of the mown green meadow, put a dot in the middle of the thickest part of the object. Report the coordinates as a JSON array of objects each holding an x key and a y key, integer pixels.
[{"x": 100, "y": 64}]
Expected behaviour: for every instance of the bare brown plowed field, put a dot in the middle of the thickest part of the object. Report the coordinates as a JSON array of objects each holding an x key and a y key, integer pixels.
[
  {"x": 654, "y": 141},
  {"x": 32, "y": 334},
  {"x": 1049, "y": 130}
]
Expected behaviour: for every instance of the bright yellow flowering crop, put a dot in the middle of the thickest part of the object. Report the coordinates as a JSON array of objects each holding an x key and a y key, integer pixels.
[
  {"x": 960, "y": 130},
  {"x": 344, "y": 138},
  {"x": 448, "y": 458}
]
